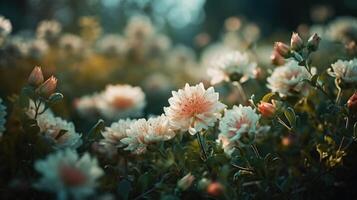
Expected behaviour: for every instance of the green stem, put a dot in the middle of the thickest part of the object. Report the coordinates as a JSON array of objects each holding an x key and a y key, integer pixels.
[
  {"x": 255, "y": 149},
  {"x": 339, "y": 94},
  {"x": 241, "y": 92},
  {"x": 199, "y": 139}
]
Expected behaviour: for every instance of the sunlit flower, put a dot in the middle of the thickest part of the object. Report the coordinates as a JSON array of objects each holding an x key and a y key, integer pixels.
[
  {"x": 289, "y": 79},
  {"x": 233, "y": 66},
  {"x": 113, "y": 134},
  {"x": 185, "y": 182},
  {"x": 112, "y": 45},
  {"x": 58, "y": 132},
  {"x": 71, "y": 44},
  {"x": 2, "y": 117},
  {"x": 48, "y": 30},
  {"x": 48, "y": 87},
  {"x": 239, "y": 125},
  {"x": 68, "y": 174},
  {"x": 159, "y": 130},
  {"x": 121, "y": 101},
  {"x": 267, "y": 109},
  {"x": 345, "y": 70},
  {"x": 194, "y": 108}
]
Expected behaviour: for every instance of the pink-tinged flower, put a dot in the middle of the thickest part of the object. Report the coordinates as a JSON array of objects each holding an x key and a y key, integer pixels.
[
  {"x": 48, "y": 87},
  {"x": 36, "y": 77},
  {"x": 194, "y": 108},
  {"x": 296, "y": 42},
  {"x": 267, "y": 109},
  {"x": 352, "y": 103},
  {"x": 159, "y": 130},
  {"x": 282, "y": 49},
  {"x": 277, "y": 59},
  {"x": 185, "y": 182},
  {"x": 68, "y": 174}
]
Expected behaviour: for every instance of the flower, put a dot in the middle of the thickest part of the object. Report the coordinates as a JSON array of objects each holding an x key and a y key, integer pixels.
[
  {"x": 313, "y": 42},
  {"x": 112, "y": 45},
  {"x": 36, "y": 77},
  {"x": 215, "y": 189},
  {"x": 239, "y": 125},
  {"x": 68, "y": 175},
  {"x": 267, "y": 109},
  {"x": 58, "y": 132},
  {"x": 2, "y": 117},
  {"x": 288, "y": 79},
  {"x": 139, "y": 28},
  {"x": 48, "y": 87},
  {"x": 342, "y": 29},
  {"x": 121, "y": 101},
  {"x": 71, "y": 44},
  {"x": 345, "y": 70},
  {"x": 352, "y": 103},
  {"x": 296, "y": 42},
  {"x": 194, "y": 108},
  {"x": 282, "y": 49},
  {"x": 277, "y": 59},
  {"x": 233, "y": 66},
  {"x": 159, "y": 129},
  {"x": 227, "y": 145},
  {"x": 36, "y": 48},
  {"x": 5, "y": 28},
  {"x": 185, "y": 182},
  {"x": 48, "y": 30},
  {"x": 113, "y": 134},
  {"x": 87, "y": 105}
]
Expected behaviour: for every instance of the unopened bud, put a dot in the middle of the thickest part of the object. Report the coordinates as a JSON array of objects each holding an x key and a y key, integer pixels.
[
  {"x": 215, "y": 189},
  {"x": 36, "y": 77},
  {"x": 352, "y": 103},
  {"x": 185, "y": 182},
  {"x": 282, "y": 49},
  {"x": 296, "y": 42},
  {"x": 267, "y": 109},
  {"x": 313, "y": 42},
  {"x": 277, "y": 59},
  {"x": 48, "y": 87}
]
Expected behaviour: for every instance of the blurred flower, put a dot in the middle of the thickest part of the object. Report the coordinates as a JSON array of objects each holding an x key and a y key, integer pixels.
[
  {"x": 277, "y": 59},
  {"x": 194, "y": 108},
  {"x": 121, "y": 101},
  {"x": 251, "y": 33},
  {"x": 288, "y": 79},
  {"x": 240, "y": 125},
  {"x": 215, "y": 189},
  {"x": 180, "y": 57},
  {"x": 267, "y": 109},
  {"x": 112, "y": 45},
  {"x": 232, "y": 24},
  {"x": 90, "y": 28},
  {"x": 185, "y": 182},
  {"x": 282, "y": 49},
  {"x": 2, "y": 118},
  {"x": 233, "y": 66},
  {"x": 202, "y": 39},
  {"x": 58, "y": 132},
  {"x": 5, "y": 29},
  {"x": 139, "y": 28},
  {"x": 36, "y": 77},
  {"x": 296, "y": 42},
  {"x": 71, "y": 44},
  {"x": 352, "y": 103},
  {"x": 345, "y": 70},
  {"x": 342, "y": 29},
  {"x": 48, "y": 30},
  {"x": 37, "y": 48},
  {"x": 158, "y": 45},
  {"x": 48, "y": 87},
  {"x": 16, "y": 46},
  {"x": 313, "y": 42},
  {"x": 113, "y": 134},
  {"x": 227, "y": 145},
  {"x": 87, "y": 105},
  {"x": 68, "y": 175}
]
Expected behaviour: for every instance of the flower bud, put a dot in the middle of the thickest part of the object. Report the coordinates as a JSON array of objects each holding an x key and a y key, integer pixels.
[
  {"x": 296, "y": 42},
  {"x": 313, "y": 42},
  {"x": 277, "y": 59},
  {"x": 48, "y": 87},
  {"x": 36, "y": 77},
  {"x": 215, "y": 189},
  {"x": 185, "y": 182},
  {"x": 282, "y": 49},
  {"x": 352, "y": 103},
  {"x": 267, "y": 109}
]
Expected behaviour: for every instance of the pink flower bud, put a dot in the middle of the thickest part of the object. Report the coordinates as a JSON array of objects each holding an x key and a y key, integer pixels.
[
  {"x": 267, "y": 109},
  {"x": 48, "y": 87},
  {"x": 215, "y": 189},
  {"x": 313, "y": 42},
  {"x": 352, "y": 103},
  {"x": 282, "y": 49},
  {"x": 185, "y": 182},
  {"x": 296, "y": 42},
  {"x": 277, "y": 59},
  {"x": 36, "y": 77}
]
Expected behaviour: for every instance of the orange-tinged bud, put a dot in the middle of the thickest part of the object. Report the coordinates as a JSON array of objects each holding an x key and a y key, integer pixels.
[
  {"x": 277, "y": 59},
  {"x": 352, "y": 103},
  {"x": 282, "y": 49},
  {"x": 48, "y": 87},
  {"x": 36, "y": 77},
  {"x": 215, "y": 189},
  {"x": 296, "y": 42},
  {"x": 267, "y": 109}
]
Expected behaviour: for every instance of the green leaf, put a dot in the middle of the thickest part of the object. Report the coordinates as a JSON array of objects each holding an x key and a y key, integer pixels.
[
  {"x": 124, "y": 188},
  {"x": 268, "y": 97},
  {"x": 313, "y": 80},
  {"x": 95, "y": 132},
  {"x": 290, "y": 116},
  {"x": 55, "y": 98}
]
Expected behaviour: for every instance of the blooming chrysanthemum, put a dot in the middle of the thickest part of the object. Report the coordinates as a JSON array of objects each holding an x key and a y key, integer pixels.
[
  {"x": 345, "y": 70},
  {"x": 227, "y": 145},
  {"x": 289, "y": 79},
  {"x": 71, "y": 44},
  {"x": 194, "y": 108},
  {"x": 159, "y": 129},
  {"x": 121, "y": 101},
  {"x": 113, "y": 134},
  {"x": 48, "y": 30},
  {"x": 234, "y": 66},
  {"x": 60, "y": 133},
  {"x": 68, "y": 175},
  {"x": 2, "y": 117},
  {"x": 112, "y": 45}
]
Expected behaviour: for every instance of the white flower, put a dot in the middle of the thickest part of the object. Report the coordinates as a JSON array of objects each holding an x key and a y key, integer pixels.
[
  {"x": 289, "y": 79},
  {"x": 68, "y": 175},
  {"x": 112, "y": 45},
  {"x": 121, "y": 101},
  {"x": 345, "y": 70},
  {"x": 37, "y": 48},
  {"x": 232, "y": 64},
  {"x": 135, "y": 137},
  {"x": 227, "y": 145},
  {"x": 139, "y": 28},
  {"x": 71, "y": 44},
  {"x": 87, "y": 105},
  {"x": 159, "y": 129},
  {"x": 194, "y": 108},
  {"x": 342, "y": 29},
  {"x": 58, "y": 132},
  {"x": 48, "y": 29},
  {"x": 5, "y": 28},
  {"x": 113, "y": 134},
  {"x": 239, "y": 125},
  {"x": 2, "y": 117}
]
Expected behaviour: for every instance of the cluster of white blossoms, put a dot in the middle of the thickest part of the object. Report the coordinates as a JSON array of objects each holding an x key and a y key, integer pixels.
[
  {"x": 68, "y": 175},
  {"x": 115, "y": 102},
  {"x": 345, "y": 70},
  {"x": 58, "y": 132},
  {"x": 239, "y": 127},
  {"x": 194, "y": 108},
  {"x": 233, "y": 65},
  {"x": 2, "y": 118},
  {"x": 48, "y": 30},
  {"x": 289, "y": 79}
]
